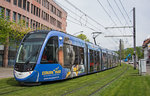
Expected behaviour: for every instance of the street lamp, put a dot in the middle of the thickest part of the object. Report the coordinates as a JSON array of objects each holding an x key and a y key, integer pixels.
[
  {"x": 95, "y": 34},
  {"x": 77, "y": 33}
]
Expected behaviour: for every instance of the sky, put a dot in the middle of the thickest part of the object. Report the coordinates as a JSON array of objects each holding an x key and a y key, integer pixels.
[{"x": 108, "y": 13}]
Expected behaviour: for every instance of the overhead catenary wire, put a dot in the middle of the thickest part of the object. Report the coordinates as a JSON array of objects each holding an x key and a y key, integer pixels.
[
  {"x": 106, "y": 12},
  {"x": 117, "y": 17},
  {"x": 93, "y": 27},
  {"x": 121, "y": 12},
  {"x": 125, "y": 11},
  {"x": 108, "y": 15},
  {"x": 80, "y": 23},
  {"x": 84, "y": 13},
  {"x": 78, "y": 16},
  {"x": 114, "y": 12}
]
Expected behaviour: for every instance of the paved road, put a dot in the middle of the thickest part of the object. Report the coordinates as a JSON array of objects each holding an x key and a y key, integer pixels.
[{"x": 6, "y": 72}]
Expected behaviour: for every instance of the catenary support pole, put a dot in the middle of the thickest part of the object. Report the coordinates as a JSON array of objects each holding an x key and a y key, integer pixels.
[
  {"x": 134, "y": 38},
  {"x": 120, "y": 51}
]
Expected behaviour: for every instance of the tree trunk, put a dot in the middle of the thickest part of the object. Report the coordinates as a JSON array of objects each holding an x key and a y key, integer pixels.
[{"x": 6, "y": 49}]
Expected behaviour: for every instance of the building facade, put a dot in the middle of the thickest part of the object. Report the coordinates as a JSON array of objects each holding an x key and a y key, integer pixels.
[
  {"x": 43, "y": 14},
  {"x": 37, "y": 14}
]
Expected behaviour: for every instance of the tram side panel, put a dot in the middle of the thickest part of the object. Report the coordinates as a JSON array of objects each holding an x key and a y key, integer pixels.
[{"x": 74, "y": 60}]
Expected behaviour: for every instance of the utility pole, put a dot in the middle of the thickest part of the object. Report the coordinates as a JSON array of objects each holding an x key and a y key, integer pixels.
[
  {"x": 120, "y": 52},
  {"x": 134, "y": 38}
]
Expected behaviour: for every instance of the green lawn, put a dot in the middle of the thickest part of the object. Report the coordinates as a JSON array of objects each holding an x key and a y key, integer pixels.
[{"x": 129, "y": 84}]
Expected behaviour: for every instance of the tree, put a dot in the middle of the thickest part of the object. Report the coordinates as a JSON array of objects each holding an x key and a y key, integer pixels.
[
  {"x": 10, "y": 30},
  {"x": 139, "y": 52},
  {"x": 83, "y": 37}
]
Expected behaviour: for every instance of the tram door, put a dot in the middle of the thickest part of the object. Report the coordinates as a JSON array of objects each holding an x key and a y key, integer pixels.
[{"x": 1, "y": 60}]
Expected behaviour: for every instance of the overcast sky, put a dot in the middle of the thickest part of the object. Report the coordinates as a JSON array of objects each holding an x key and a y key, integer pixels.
[{"x": 77, "y": 21}]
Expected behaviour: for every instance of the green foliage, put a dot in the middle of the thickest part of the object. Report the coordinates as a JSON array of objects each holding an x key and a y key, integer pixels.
[
  {"x": 5, "y": 29},
  {"x": 83, "y": 37},
  {"x": 12, "y": 30},
  {"x": 139, "y": 52}
]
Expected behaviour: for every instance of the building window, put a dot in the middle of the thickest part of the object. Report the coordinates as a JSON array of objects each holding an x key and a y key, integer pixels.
[
  {"x": 27, "y": 22},
  {"x": 59, "y": 13},
  {"x": 20, "y": 3},
  {"x": 52, "y": 20},
  {"x": 7, "y": 14},
  {"x": 31, "y": 23},
  {"x": 36, "y": 25},
  {"x": 31, "y": 8},
  {"x": 59, "y": 24},
  {"x": 8, "y": 0},
  {"x": 47, "y": 5},
  {"x": 15, "y": 2},
  {"x": 53, "y": 9},
  {"x": 43, "y": 3},
  {"x": 24, "y": 4},
  {"x": 14, "y": 16},
  {"x": 1, "y": 12},
  {"x": 28, "y": 6},
  {"x": 34, "y": 10},
  {"x": 19, "y": 17},
  {"x": 39, "y": 1},
  {"x": 24, "y": 18},
  {"x": 39, "y": 12}
]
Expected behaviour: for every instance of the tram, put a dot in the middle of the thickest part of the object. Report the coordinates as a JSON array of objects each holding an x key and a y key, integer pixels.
[{"x": 53, "y": 55}]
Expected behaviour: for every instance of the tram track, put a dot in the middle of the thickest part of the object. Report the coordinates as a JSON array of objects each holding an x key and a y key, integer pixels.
[
  {"x": 99, "y": 89},
  {"x": 94, "y": 82},
  {"x": 4, "y": 90},
  {"x": 8, "y": 92}
]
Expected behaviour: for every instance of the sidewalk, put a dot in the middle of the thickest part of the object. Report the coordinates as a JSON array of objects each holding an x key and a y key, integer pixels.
[{"x": 6, "y": 72}]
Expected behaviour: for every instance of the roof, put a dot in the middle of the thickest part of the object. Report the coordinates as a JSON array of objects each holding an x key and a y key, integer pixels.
[{"x": 147, "y": 41}]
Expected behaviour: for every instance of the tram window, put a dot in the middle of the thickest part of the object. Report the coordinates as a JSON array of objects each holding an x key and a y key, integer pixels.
[
  {"x": 73, "y": 55},
  {"x": 104, "y": 60},
  {"x": 97, "y": 60},
  {"x": 49, "y": 54},
  {"x": 68, "y": 55},
  {"x": 81, "y": 57},
  {"x": 91, "y": 61},
  {"x": 76, "y": 50}
]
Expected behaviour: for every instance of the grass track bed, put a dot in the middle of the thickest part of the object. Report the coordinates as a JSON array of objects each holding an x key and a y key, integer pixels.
[{"x": 86, "y": 85}]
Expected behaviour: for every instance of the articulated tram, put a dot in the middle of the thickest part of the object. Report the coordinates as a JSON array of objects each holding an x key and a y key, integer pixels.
[{"x": 52, "y": 55}]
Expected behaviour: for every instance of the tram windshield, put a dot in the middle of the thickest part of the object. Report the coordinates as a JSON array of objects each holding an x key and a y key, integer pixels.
[{"x": 30, "y": 47}]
